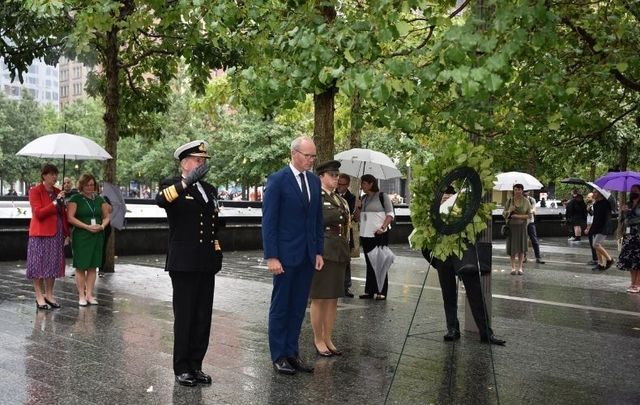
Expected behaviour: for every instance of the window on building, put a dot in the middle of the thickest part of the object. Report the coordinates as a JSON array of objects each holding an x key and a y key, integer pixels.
[
  {"x": 55, "y": 96},
  {"x": 48, "y": 82},
  {"x": 32, "y": 92},
  {"x": 77, "y": 89},
  {"x": 48, "y": 95},
  {"x": 64, "y": 91},
  {"x": 77, "y": 72},
  {"x": 15, "y": 91}
]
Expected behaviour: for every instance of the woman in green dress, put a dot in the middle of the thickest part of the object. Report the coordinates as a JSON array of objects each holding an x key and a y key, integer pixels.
[
  {"x": 516, "y": 213},
  {"x": 89, "y": 215},
  {"x": 328, "y": 283}
]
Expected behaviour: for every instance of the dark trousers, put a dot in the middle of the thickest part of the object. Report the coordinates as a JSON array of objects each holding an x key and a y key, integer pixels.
[
  {"x": 371, "y": 283},
  {"x": 594, "y": 256},
  {"x": 288, "y": 306},
  {"x": 192, "y": 309},
  {"x": 471, "y": 280},
  {"x": 533, "y": 235}
]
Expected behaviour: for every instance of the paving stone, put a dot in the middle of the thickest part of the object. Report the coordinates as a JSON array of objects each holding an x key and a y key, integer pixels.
[{"x": 572, "y": 337}]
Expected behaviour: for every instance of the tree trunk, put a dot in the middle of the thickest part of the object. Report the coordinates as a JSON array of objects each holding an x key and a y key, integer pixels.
[
  {"x": 111, "y": 102},
  {"x": 623, "y": 162},
  {"x": 357, "y": 122},
  {"x": 323, "y": 129},
  {"x": 323, "y": 104}
]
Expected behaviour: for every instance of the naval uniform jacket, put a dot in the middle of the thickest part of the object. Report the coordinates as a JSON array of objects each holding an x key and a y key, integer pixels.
[{"x": 193, "y": 227}]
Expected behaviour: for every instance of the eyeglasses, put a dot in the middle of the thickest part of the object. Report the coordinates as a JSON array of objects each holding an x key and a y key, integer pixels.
[
  {"x": 306, "y": 155},
  {"x": 343, "y": 184}
]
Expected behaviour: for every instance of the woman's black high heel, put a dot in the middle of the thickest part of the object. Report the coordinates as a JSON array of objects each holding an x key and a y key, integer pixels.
[
  {"x": 335, "y": 352},
  {"x": 327, "y": 353},
  {"x": 52, "y": 304},
  {"x": 43, "y": 306}
]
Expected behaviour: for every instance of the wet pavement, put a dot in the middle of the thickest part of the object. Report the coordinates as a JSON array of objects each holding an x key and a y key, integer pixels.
[{"x": 573, "y": 336}]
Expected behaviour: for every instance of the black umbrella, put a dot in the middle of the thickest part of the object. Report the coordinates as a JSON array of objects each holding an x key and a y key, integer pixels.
[{"x": 574, "y": 180}]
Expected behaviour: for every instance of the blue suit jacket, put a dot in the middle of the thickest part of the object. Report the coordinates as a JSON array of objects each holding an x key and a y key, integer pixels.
[{"x": 292, "y": 228}]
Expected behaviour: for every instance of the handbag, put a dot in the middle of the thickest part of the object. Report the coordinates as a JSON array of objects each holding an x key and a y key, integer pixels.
[{"x": 505, "y": 230}]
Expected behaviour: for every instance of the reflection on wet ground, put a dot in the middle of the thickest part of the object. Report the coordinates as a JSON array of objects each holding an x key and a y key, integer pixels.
[{"x": 572, "y": 337}]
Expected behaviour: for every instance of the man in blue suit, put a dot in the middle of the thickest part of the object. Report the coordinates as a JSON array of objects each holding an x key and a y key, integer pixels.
[{"x": 293, "y": 239}]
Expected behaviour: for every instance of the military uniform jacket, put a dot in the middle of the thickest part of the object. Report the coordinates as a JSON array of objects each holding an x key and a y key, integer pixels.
[
  {"x": 193, "y": 227},
  {"x": 336, "y": 215}
]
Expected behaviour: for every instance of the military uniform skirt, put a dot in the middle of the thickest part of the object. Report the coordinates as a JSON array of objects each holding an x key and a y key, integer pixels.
[{"x": 328, "y": 283}]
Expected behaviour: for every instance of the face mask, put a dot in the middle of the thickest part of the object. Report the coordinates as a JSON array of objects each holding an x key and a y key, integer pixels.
[{"x": 633, "y": 196}]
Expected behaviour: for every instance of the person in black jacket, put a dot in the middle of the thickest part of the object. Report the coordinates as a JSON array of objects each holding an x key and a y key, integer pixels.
[
  {"x": 343, "y": 191},
  {"x": 601, "y": 217},
  {"x": 193, "y": 258},
  {"x": 576, "y": 214}
]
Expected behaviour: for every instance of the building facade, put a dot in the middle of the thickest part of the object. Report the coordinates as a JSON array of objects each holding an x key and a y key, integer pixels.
[
  {"x": 40, "y": 81},
  {"x": 73, "y": 79}
]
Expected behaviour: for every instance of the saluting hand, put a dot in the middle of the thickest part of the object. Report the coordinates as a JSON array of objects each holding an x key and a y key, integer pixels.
[{"x": 196, "y": 174}]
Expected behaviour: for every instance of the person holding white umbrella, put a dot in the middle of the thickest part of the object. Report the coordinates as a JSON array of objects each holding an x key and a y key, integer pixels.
[
  {"x": 48, "y": 233},
  {"x": 375, "y": 215}
]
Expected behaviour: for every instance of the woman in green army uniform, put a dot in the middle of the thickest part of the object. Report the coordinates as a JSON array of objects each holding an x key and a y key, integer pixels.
[{"x": 328, "y": 283}]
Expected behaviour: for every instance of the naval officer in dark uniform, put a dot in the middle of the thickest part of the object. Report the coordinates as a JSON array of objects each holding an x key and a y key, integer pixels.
[{"x": 193, "y": 258}]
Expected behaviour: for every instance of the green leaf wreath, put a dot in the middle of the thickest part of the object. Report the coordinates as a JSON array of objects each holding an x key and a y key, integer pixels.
[{"x": 426, "y": 176}]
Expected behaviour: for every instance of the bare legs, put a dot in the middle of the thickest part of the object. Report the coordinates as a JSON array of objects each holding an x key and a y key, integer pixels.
[
  {"x": 577, "y": 231},
  {"x": 85, "y": 282},
  {"x": 323, "y": 318},
  {"x": 37, "y": 286},
  {"x": 48, "y": 289},
  {"x": 603, "y": 255},
  {"x": 516, "y": 263},
  {"x": 635, "y": 281}
]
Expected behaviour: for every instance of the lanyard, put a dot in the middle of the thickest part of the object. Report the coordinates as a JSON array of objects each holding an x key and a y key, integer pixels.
[{"x": 91, "y": 207}]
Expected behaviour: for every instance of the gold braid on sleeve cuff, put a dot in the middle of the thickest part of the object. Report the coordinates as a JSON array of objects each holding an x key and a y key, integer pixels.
[{"x": 171, "y": 193}]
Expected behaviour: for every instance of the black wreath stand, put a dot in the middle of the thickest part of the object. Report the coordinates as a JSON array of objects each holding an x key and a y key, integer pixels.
[{"x": 475, "y": 261}]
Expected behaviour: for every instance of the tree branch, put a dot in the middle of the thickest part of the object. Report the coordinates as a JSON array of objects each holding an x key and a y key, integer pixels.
[
  {"x": 577, "y": 139},
  {"x": 591, "y": 43}
]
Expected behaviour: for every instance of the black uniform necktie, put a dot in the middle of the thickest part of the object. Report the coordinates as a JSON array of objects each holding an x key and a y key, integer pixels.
[{"x": 304, "y": 187}]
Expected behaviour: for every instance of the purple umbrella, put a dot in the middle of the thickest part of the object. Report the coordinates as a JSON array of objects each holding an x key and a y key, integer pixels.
[{"x": 618, "y": 181}]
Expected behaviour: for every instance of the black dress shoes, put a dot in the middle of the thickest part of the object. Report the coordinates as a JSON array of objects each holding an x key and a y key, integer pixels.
[
  {"x": 540, "y": 261},
  {"x": 201, "y": 377},
  {"x": 299, "y": 365},
  {"x": 452, "y": 334},
  {"x": 492, "y": 339},
  {"x": 186, "y": 379},
  {"x": 282, "y": 366}
]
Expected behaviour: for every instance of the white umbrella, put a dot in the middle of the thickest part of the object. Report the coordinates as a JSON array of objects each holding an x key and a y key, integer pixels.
[
  {"x": 119, "y": 208},
  {"x": 506, "y": 181},
  {"x": 601, "y": 190},
  {"x": 357, "y": 162},
  {"x": 381, "y": 258},
  {"x": 64, "y": 146}
]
